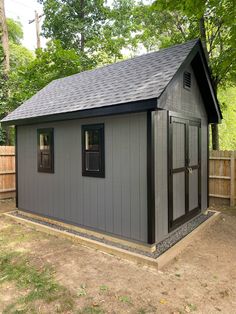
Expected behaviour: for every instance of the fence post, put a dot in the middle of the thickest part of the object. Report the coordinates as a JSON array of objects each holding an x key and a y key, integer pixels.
[{"x": 232, "y": 179}]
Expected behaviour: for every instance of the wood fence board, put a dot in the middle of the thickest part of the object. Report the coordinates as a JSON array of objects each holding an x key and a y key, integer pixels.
[
  {"x": 7, "y": 171},
  {"x": 222, "y": 187}
]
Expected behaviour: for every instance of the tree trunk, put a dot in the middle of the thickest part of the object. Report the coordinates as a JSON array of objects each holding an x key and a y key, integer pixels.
[
  {"x": 82, "y": 43},
  {"x": 82, "y": 39},
  {"x": 6, "y": 60},
  {"x": 214, "y": 127},
  {"x": 202, "y": 30},
  {"x": 215, "y": 137},
  {"x": 7, "y": 135},
  {"x": 4, "y": 39}
]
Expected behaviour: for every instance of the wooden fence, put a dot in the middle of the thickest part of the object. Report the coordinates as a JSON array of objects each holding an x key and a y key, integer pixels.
[
  {"x": 222, "y": 188},
  {"x": 7, "y": 171}
]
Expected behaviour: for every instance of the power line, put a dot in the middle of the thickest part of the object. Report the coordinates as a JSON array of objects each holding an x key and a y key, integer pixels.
[
  {"x": 24, "y": 5},
  {"x": 25, "y": 16}
]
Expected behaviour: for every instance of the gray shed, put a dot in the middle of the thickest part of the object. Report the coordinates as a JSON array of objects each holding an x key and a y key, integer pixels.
[{"x": 122, "y": 149}]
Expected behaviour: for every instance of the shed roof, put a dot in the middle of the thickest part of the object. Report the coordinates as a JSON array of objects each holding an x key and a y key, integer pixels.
[{"x": 140, "y": 78}]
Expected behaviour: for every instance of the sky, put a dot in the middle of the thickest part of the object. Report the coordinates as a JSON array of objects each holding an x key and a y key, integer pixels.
[{"x": 23, "y": 11}]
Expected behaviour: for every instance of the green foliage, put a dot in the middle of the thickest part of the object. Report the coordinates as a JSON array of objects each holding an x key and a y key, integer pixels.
[
  {"x": 88, "y": 33},
  {"x": 19, "y": 56},
  {"x": 169, "y": 22},
  {"x": 50, "y": 63},
  {"x": 227, "y": 129},
  {"x": 97, "y": 32},
  {"x": 83, "y": 18},
  {"x": 2, "y": 136},
  {"x": 15, "y": 31}
]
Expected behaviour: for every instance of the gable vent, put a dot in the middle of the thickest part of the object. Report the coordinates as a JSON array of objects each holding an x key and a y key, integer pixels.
[{"x": 187, "y": 80}]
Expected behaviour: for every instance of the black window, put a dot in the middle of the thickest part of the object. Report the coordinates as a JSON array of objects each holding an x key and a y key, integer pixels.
[
  {"x": 93, "y": 163},
  {"x": 45, "y": 150}
]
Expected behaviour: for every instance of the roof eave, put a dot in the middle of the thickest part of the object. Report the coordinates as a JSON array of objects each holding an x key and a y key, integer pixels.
[{"x": 130, "y": 107}]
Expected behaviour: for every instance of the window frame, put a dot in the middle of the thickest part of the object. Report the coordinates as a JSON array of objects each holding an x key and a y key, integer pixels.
[
  {"x": 50, "y": 132},
  {"x": 91, "y": 173}
]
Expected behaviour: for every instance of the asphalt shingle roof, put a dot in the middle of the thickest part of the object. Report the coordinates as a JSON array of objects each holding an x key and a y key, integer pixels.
[{"x": 139, "y": 78}]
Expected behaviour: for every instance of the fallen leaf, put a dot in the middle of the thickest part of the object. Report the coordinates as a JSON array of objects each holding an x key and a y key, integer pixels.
[{"x": 163, "y": 301}]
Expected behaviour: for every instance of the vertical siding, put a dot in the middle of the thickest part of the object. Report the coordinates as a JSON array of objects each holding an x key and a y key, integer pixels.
[
  {"x": 115, "y": 204},
  {"x": 176, "y": 98}
]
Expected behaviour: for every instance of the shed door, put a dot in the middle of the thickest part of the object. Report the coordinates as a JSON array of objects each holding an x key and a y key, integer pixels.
[{"x": 184, "y": 170}]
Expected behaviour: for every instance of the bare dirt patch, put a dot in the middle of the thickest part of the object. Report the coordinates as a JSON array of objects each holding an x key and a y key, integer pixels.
[
  {"x": 7, "y": 205},
  {"x": 201, "y": 280}
]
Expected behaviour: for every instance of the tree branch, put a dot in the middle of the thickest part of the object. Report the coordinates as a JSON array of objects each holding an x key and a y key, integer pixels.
[
  {"x": 213, "y": 37},
  {"x": 220, "y": 78}
]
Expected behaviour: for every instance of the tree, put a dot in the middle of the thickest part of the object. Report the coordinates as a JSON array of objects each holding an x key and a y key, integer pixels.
[
  {"x": 84, "y": 20},
  {"x": 167, "y": 22},
  {"x": 95, "y": 30},
  {"x": 15, "y": 31},
  {"x": 4, "y": 40},
  {"x": 227, "y": 129},
  {"x": 49, "y": 64},
  {"x": 5, "y": 62},
  {"x": 18, "y": 56}
]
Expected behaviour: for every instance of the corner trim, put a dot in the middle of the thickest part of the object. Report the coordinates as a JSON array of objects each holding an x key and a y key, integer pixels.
[
  {"x": 208, "y": 167},
  {"x": 16, "y": 164},
  {"x": 150, "y": 178}
]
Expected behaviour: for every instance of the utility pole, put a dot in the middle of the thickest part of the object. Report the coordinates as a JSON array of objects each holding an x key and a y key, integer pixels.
[
  {"x": 37, "y": 20},
  {"x": 4, "y": 39}
]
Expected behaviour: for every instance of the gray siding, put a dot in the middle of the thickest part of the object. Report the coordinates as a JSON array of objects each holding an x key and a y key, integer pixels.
[
  {"x": 116, "y": 204},
  {"x": 176, "y": 98}
]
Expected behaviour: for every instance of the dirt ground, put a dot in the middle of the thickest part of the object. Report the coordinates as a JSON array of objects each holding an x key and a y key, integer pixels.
[
  {"x": 200, "y": 280},
  {"x": 6, "y": 205}
]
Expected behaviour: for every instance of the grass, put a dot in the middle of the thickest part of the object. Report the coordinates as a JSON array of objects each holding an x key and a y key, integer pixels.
[
  {"x": 82, "y": 291},
  {"x": 125, "y": 299},
  {"x": 39, "y": 284},
  {"x": 91, "y": 310},
  {"x": 11, "y": 237},
  {"x": 103, "y": 288}
]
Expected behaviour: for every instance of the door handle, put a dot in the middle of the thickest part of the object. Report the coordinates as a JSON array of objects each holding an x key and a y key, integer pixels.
[{"x": 190, "y": 170}]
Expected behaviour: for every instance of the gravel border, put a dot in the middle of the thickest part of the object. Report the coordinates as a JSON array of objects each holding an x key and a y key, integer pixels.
[{"x": 161, "y": 247}]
